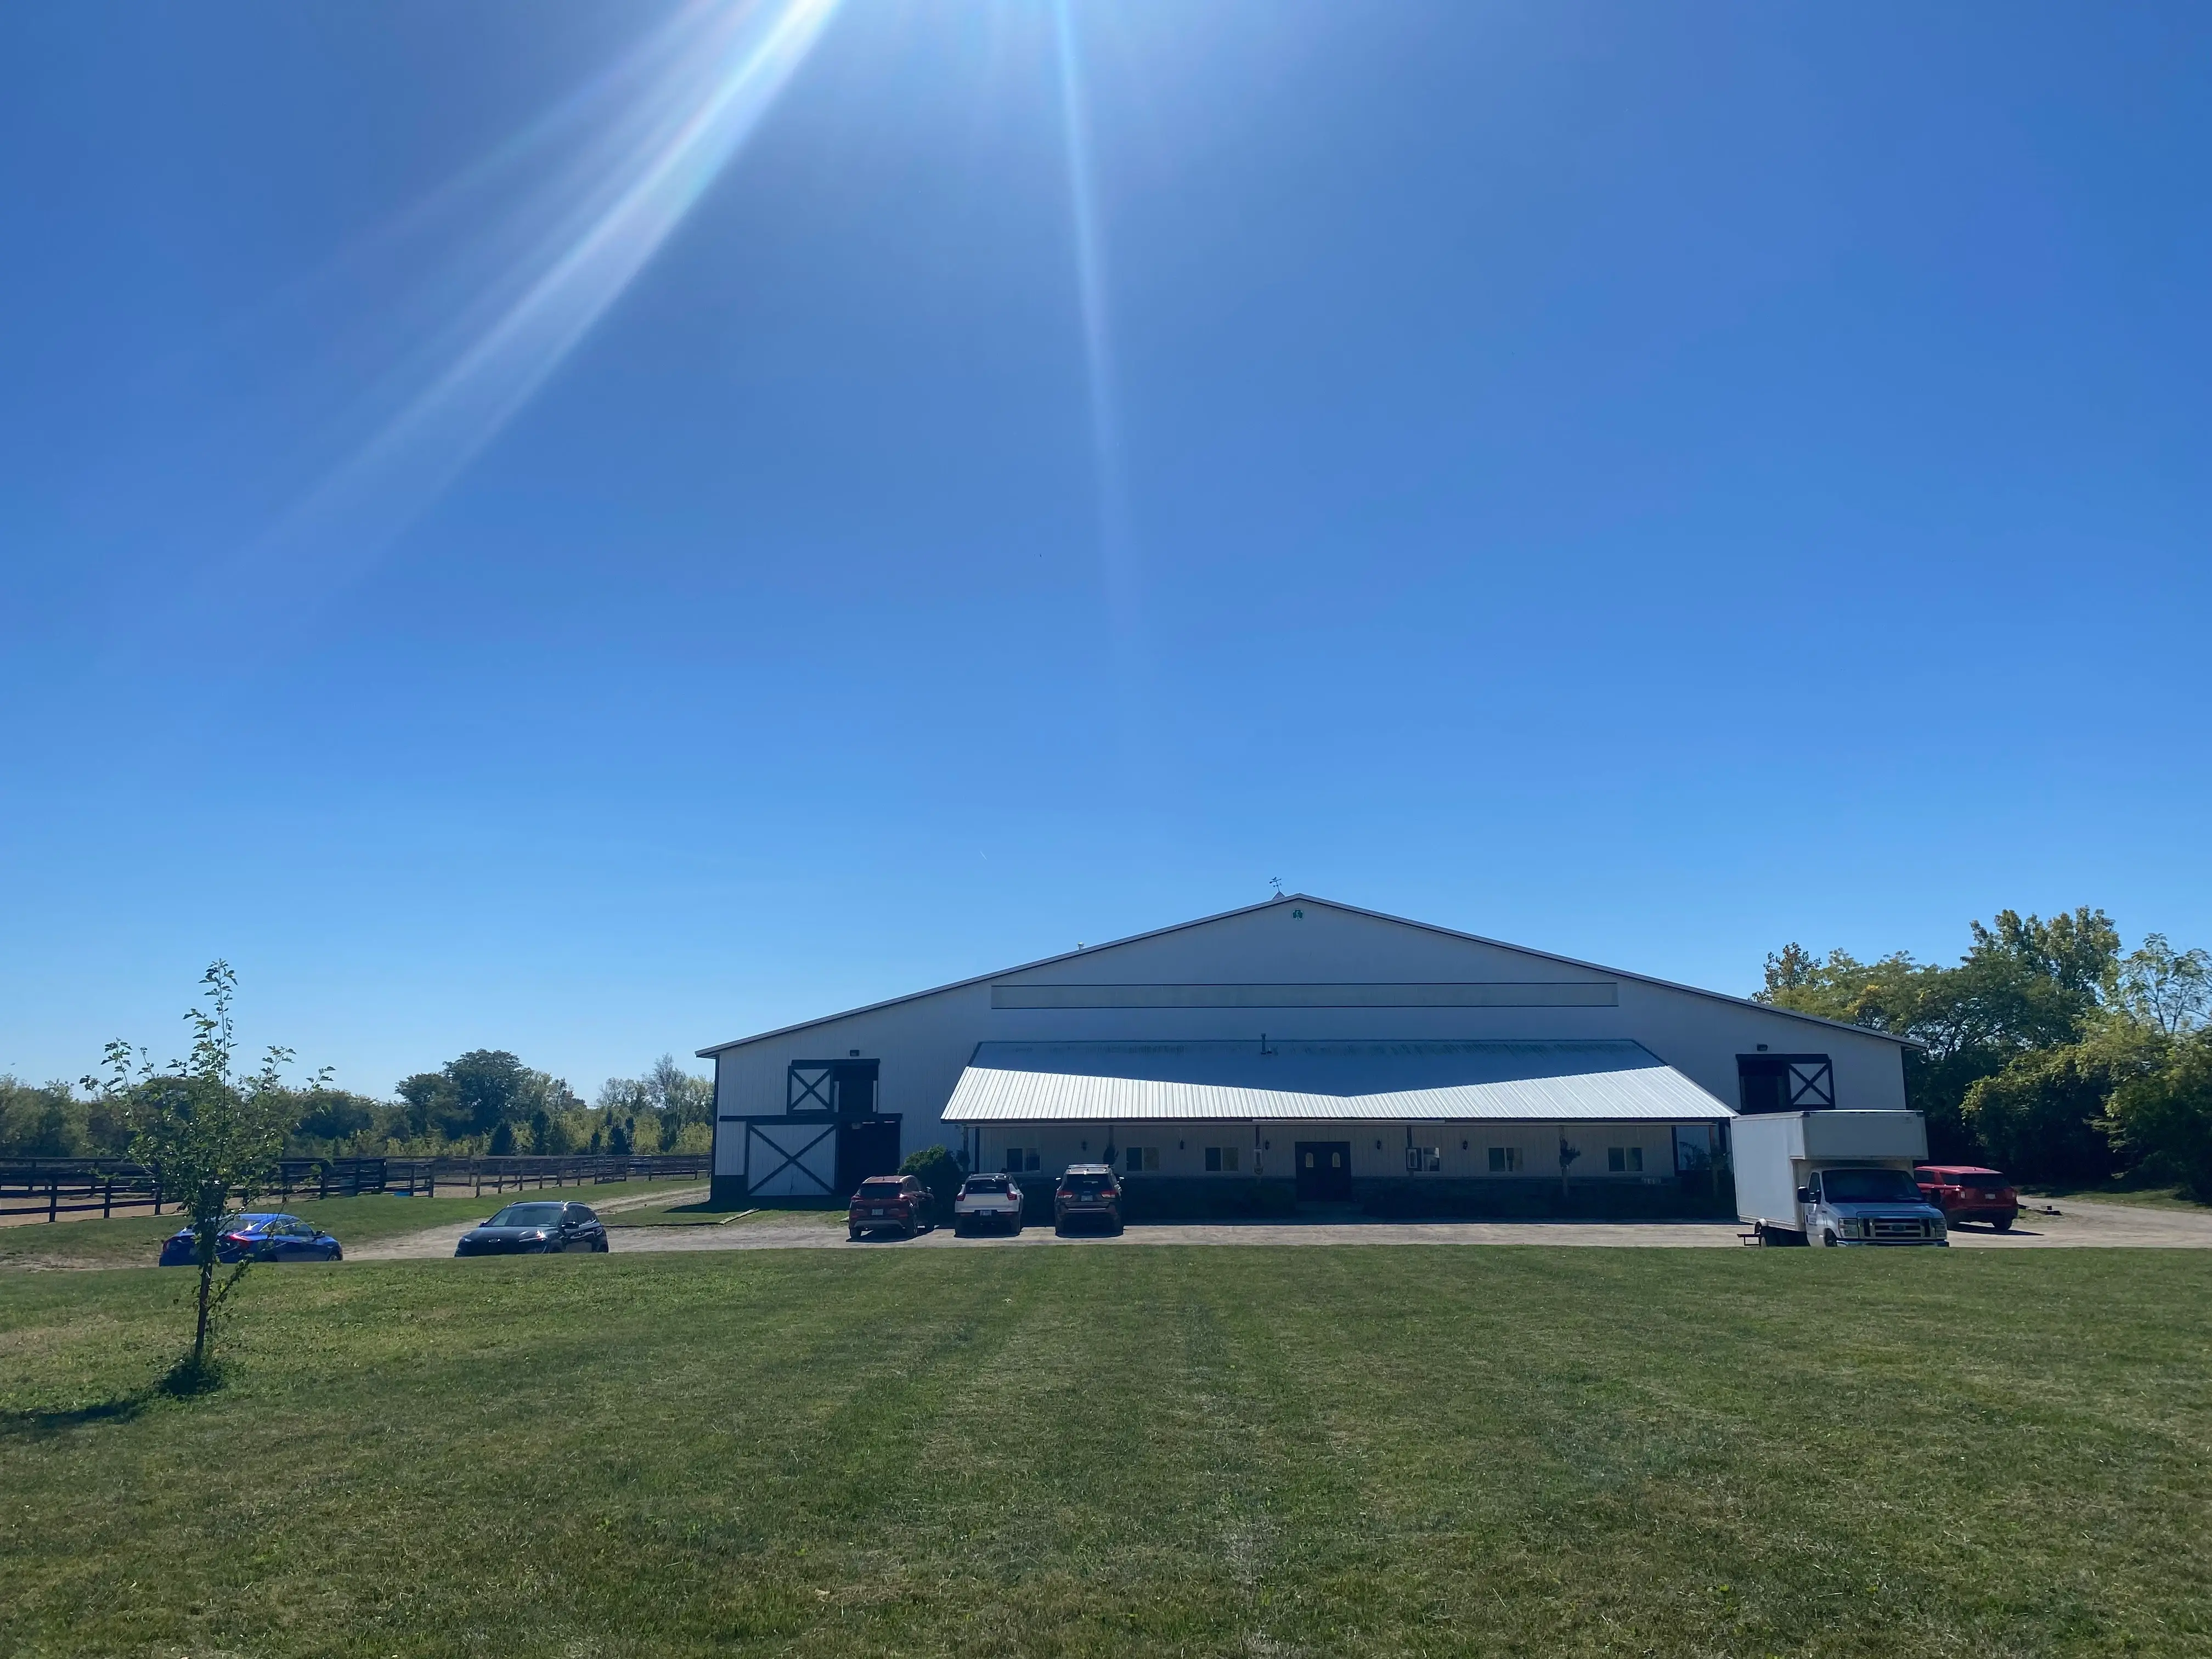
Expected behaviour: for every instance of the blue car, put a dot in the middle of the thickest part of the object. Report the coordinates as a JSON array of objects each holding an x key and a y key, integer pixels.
[{"x": 263, "y": 1237}]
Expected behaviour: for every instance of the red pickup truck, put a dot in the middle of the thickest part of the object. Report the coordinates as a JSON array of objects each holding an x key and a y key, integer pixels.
[{"x": 1966, "y": 1192}]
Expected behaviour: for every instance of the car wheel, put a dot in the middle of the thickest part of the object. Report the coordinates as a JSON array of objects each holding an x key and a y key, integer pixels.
[
  {"x": 1828, "y": 1237},
  {"x": 1060, "y": 1229},
  {"x": 2004, "y": 1223},
  {"x": 851, "y": 1235},
  {"x": 337, "y": 1253}
]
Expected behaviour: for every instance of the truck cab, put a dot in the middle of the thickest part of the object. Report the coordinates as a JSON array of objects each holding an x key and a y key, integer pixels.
[{"x": 1867, "y": 1204}]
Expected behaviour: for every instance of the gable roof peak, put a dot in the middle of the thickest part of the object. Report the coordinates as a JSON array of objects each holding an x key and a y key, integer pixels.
[{"x": 1333, "y": 904}]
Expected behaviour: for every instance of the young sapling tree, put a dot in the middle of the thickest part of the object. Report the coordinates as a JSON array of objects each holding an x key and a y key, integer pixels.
[{"x": 206, "y": 1132}]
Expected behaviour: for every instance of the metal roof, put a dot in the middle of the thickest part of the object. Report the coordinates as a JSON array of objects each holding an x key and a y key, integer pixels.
[
  {"x": 1349, "y": 909},
  {"x": 1334, "y": 1082}
]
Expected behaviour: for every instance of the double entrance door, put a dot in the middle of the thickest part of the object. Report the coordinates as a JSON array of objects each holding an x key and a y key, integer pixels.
[{"x": 1324, "y": 1171}]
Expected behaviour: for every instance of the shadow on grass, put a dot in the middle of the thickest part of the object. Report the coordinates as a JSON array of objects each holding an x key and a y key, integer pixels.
[
  {"x": 38, "y": 1425},
  {"x": 185, "y": 1380}
]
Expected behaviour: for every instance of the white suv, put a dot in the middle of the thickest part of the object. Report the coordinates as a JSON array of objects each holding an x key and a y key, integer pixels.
[{"x": 988, "y": 1200}]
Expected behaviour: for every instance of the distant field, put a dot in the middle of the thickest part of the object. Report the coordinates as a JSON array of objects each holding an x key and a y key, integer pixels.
[
  {"x": 128, "y": 1240},
  {"x": 1094, "y": 1451}
]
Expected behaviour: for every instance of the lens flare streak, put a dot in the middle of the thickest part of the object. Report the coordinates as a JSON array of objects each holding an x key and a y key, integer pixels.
[
  {"x": 690, "y": 98},
  {"x": 1117, "y": 565}
]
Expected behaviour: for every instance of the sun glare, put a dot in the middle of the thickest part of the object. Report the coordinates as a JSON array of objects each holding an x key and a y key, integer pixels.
[{"x": 636, "y": 150}]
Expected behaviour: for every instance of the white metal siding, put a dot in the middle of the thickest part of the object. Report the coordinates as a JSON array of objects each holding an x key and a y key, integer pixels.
[{"x": 925, "y": 1043}]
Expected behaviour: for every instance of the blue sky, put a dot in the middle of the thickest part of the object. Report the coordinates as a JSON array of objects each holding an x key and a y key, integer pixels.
[{"x": 1650, "y": 483}]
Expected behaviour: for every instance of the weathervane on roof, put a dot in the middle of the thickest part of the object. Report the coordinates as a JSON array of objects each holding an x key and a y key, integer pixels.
[{"x": 1276, "y": 882}]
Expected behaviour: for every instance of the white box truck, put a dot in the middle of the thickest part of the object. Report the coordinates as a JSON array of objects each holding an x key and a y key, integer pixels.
[{"x": 1833, "y": 1177}]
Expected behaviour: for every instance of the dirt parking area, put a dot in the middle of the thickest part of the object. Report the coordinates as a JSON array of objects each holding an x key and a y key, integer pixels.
[{"x": 2077, "y": 1225}]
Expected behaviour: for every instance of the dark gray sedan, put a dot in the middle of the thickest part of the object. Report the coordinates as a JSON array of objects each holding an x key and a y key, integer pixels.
[{"x": 539, "y": 1228}]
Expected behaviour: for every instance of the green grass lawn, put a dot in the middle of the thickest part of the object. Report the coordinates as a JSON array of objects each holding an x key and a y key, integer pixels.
[
  {"x": 2107, "y": 1192},
  {"x": 127, "y": 1241},
  {"x": 1351, "y": 1450}
]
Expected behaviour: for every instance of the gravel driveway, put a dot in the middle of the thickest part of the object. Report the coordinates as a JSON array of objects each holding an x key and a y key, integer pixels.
[{"x": 2078, "y": 1225}]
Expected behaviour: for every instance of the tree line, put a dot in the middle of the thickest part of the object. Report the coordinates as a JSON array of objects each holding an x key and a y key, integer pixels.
[
  {"x": 484, "y": 1102},
  {"x": 2049, "y": 1051}
]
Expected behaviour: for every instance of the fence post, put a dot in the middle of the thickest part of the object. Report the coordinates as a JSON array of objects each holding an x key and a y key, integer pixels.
[
  {"x": 53, "y": 1197},
  {"x": 107, "y": 1199}
]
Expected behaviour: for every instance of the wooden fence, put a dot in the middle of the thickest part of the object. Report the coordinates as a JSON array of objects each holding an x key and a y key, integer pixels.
[{"x": 49, "y": 1188}]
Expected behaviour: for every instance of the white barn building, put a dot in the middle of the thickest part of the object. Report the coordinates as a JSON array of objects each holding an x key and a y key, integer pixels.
[{"x": 1296, "y": 1050}]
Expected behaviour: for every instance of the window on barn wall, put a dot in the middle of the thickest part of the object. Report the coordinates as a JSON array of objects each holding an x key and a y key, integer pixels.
[
  {"x": 1623, "y": 1160},
  {"x": 1220, "y": 1160},
  {"x": 1137, "y": 1160},
  {"x": 1505, "y": 1160},
  {"x": 1424, "y": 1160},
  {"x": 1019, "y": 1159},
  {"x": 1694, "y": 1147}
]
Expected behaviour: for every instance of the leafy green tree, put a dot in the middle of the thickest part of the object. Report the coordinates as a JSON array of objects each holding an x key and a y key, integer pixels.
[
  {"x": 430, "y": 1103},
  {"x": 2042, "y": 1117},
  {"x": 332, "y": 1116},
  {"x": 488, "y": 1087},
  {"x": 674, "y": 1092},
  {"x": 2162, "y": 1115},
  {"x": 49, "y": 1120},
  {"x": 2168, "y": 990},
  {"x": 669, "y": 1098},
  {"x": 206, "y": 1132},
  {"x": 941, "y": 1172},
  {"x": 2026, "y": 985},
  {"x": 473, "y": 1097}
]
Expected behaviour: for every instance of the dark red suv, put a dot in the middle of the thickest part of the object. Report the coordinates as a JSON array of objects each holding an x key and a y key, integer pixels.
[
  {"x": 1090, "y": 1194},
  {"x": 894, "y": 1201},
  {"x": 1966, "y": 1192}
]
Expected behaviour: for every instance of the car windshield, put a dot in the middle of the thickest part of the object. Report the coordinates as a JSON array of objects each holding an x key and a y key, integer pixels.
[
  {"x": 1867, "y": 1186},
  {"x": 1088, "y": 1186},
  {"x": 984, "y": 1184},
  {"x": 527, "y": 1215},
  {"x": 880, "y": 1192}
]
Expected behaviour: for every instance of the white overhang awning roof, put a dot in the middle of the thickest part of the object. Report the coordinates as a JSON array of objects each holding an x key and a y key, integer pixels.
[{"x": 1332, "y": 1082}]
